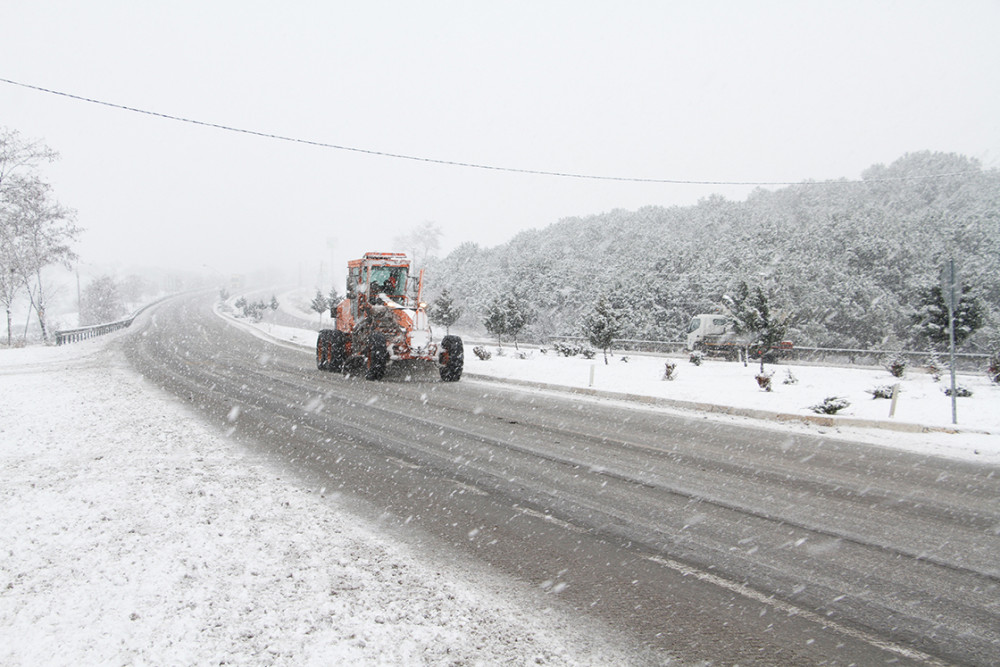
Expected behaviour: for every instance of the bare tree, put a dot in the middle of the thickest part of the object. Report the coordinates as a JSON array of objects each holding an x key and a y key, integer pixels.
[
  {"x": 18, "y": 155},
  {"x": 35, "y": 231},
  {"x": 421, "y": 242},
  {"x": 102, "y": 302},
  {"x": 41, "y": 230},
  {"x": 10, "y": 281}
]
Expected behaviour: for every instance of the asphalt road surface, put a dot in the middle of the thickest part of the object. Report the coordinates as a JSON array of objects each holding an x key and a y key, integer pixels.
[{"x": 703, "y": 540}]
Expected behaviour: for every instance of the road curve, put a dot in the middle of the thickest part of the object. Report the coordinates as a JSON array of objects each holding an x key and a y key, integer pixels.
[{"x": 705, "y": 541}]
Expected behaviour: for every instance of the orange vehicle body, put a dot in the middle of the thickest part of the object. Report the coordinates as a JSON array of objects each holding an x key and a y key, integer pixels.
[{"x": 382, "y": 320}]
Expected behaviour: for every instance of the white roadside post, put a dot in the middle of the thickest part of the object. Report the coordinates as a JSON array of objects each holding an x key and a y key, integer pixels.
[{"x": 895, "y": 396}]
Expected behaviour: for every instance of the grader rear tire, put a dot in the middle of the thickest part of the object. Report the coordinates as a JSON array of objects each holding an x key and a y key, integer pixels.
[
  {"x": 378, "y": 357},
  {"x": 451, "y": 358}
]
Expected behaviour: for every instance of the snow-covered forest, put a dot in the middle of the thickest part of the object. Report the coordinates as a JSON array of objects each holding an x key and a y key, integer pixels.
[{"x": 848, "y": 261}]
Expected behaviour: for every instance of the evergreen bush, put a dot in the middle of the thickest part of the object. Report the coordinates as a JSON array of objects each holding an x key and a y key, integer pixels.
[
  {"x": 831, "y": 405},
  {"x": 896, "y": 365},
  {"x": 993, "y": 367},
  {"x": 882, "y": 391}
]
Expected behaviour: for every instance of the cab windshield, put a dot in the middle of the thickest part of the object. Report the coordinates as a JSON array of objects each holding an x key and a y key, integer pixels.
[{"x": 389, "y": 280}]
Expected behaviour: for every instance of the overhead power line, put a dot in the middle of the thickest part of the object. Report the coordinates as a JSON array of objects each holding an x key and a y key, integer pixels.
[{"x": 456, "y": 163}]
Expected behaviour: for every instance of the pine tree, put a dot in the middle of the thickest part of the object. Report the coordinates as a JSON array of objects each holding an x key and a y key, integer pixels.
[
  {"x": 507, "y": 315},
  {"x": 755, "y": 320},
  {"x": 930, "y": 319},
  {"x": 319, "y": 304},
  {"x": 444, "y": 311},
  {"x": 602, "y": 326},
  {"x": 519, "y": 315},
  {"x": 495, "y": 320}
]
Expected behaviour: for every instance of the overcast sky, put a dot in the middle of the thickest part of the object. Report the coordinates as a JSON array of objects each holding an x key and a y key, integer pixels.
[{"x": 694, "y": 91}]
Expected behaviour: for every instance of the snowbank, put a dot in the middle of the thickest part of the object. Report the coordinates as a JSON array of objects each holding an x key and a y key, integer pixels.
[
  {"x": 136, "y": 534},
  {"x": 921, "y": 422}
]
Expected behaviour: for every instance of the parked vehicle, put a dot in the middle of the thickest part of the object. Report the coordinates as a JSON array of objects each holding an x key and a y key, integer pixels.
[{"x": 716, "y": 334}]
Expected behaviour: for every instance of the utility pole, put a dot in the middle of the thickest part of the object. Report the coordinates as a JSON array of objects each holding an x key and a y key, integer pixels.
[{"x": 949, "y": 278}]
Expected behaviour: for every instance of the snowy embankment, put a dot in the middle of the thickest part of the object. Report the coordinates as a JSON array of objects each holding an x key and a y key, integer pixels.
[
  {"x": 135, "y": 533},
  {"x": 922, "y": 420}
]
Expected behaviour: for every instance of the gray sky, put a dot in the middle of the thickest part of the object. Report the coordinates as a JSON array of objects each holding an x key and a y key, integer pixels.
[{"x": 703, "y": 91}]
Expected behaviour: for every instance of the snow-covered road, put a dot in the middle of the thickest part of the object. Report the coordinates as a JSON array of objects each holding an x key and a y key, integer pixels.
[{"x": 136, "y": 534}]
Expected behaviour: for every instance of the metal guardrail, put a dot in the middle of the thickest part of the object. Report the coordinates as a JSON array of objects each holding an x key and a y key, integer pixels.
[
  {"x": 83, "y": 333},
  {"x": 850, "y": 356}
]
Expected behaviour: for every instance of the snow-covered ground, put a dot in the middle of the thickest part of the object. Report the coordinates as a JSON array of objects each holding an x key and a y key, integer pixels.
[
  {"x": 134, "y": 533},
  {"x": 922, "y": 420}
]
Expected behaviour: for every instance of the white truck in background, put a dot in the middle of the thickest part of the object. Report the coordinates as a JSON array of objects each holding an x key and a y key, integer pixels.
[{"x": 715, "y": 333}]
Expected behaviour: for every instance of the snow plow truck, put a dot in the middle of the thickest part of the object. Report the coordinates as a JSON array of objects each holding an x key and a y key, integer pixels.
[{"x": 382, "y": 321}]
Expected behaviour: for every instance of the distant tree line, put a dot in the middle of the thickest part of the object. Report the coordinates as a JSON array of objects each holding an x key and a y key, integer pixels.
[{"x": 841, "y": 264}]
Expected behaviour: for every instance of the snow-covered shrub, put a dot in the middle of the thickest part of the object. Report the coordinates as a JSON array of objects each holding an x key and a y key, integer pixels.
[
  {"x": 697, "y": 357},
  {"x": 572, "y": 349},
  {"x": 522, "y": 355},
  {"x": 881, "y": 391},
  {"x": 566, "y": 350},
  {"x": 482, "y": 353},
  {"x": 934, "y": 365},
  {"x": 223, "y": 294},
  {"x": 896, "y": 365},
  {"x": 254, "y": 310},
  {"x": 670, "y": 371},
  {"x": 789, "y": 378},
  {"x": 831, "y": 405},
  {"x": 960, "y": 391},
  {"x": 993, "y": 367},
  {"x": 764, "y": 380}
]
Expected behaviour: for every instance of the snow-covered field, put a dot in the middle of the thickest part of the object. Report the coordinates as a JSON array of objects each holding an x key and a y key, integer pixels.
[{"x": 134, "y": 533}]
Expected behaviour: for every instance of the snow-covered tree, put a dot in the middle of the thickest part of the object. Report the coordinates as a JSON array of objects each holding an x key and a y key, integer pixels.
[
  {"x": 754, "y": 318},
  {"x": 508, "y": 314},
  {"x": 34, "y": 230},
  {"x": 930, "y": 318},
  {"x": 495, "y": 319},
  {"x": 320, "y": 305},
  {"x": 602, "y": 326},
  {"x": 444, "y": 311},
  {"x": 101, "y": 302},
  {"x": 422, "y": 242},
  {"x": 41, "y": 231}
]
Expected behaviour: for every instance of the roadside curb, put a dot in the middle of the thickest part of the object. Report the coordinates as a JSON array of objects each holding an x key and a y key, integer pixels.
[
  {"x": 830, "y": 421},
  {"x": 768, "y": 415}
]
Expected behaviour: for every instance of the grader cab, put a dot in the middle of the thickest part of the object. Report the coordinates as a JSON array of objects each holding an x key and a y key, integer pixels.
[{"x": 382, "y": 321}]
